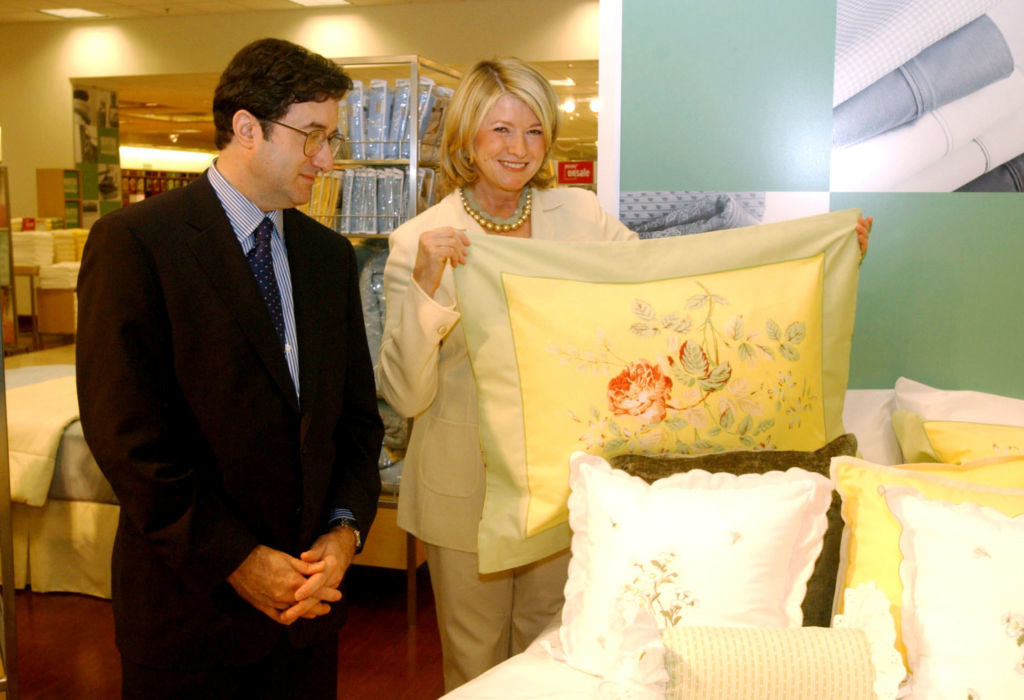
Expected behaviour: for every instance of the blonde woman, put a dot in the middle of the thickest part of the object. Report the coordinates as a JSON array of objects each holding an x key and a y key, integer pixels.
[{"x": 499, "y": 130}]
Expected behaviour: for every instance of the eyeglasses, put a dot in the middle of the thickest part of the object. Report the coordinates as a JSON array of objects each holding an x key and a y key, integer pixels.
[{"x": 316, "y": 139}]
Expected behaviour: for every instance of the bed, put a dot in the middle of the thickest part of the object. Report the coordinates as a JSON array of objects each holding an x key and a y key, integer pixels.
[
  {"x": 944, "y": 467},
  {"x": 64, "y": 512},
  {"x": 958, "y": 453}
]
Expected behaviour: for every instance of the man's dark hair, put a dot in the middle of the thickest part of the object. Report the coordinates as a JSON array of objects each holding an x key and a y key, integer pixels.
[{"x": 267, "y": 77}]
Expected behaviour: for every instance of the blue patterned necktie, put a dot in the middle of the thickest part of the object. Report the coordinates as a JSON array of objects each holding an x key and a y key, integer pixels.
[{"x": 263, "y": 269}]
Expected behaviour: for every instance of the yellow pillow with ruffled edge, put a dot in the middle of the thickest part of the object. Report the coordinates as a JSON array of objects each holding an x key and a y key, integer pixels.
[
  {"x": 870, "y": 550},
  {"x": 954, "y": 442},
  {"x": 736, "y": 339}
]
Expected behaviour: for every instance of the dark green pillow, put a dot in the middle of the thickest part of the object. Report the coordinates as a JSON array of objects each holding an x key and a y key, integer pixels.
[{"x": 817, "y": 605}]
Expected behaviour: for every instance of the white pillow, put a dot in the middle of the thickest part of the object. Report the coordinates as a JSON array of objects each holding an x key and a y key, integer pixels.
[
  {"x": 717, "y": 549},
  {"x": 970, "y": 406},
  {"x": 963, "y": 597},
  {"x": 867, "y": 413}
]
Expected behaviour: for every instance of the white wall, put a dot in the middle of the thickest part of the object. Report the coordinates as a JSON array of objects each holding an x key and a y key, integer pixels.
[{"x": 38, "y": 61}]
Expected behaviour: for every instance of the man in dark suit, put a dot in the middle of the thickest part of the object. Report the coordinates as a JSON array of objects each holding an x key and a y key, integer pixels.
[{"x": 227, "y": 393}]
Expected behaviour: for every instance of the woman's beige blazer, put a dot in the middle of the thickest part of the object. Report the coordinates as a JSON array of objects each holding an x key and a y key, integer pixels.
[{"x": 424, "y": 370}]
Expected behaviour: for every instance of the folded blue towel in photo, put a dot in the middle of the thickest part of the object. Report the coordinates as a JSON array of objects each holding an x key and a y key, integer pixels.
[
  {"x": 712, "y": 212},
  {"x": 967, "y": 60}
]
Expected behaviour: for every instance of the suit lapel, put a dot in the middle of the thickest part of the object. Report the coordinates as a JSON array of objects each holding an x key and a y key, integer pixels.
[{"x": 215, "y": 246}]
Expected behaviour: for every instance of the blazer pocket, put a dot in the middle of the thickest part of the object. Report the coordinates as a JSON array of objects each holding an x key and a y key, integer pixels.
[{"x": 449, "y": 457}]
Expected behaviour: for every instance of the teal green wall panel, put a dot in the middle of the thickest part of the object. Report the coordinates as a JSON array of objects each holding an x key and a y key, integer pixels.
[
  {"x": 940, "y": 292},
  {"x": 730, "y": 94}
]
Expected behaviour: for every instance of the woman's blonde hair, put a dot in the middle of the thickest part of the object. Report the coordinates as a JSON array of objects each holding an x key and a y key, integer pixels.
[{"x": 479, "y": 89}]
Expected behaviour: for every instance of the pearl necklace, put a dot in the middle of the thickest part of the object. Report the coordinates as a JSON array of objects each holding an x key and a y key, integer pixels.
[{"x": 493, "y": 223}]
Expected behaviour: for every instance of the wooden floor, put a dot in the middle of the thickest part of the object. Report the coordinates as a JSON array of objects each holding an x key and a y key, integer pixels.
[{"x": 66, "y": 643}]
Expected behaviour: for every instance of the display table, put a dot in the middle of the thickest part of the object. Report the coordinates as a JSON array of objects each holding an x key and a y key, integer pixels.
[{"x": 391, "y": 547}]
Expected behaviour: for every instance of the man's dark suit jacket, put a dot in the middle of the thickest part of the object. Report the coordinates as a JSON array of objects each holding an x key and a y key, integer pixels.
[{"x": 189, "y": 409}]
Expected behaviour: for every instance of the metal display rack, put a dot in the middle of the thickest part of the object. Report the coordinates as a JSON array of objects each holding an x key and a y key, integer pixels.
[
  {"x": 390, "y": 68},
  {"x": 8, "y": 642}
]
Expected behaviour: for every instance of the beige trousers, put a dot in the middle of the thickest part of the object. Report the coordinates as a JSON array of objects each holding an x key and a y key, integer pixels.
[{"x": 486, "y": 618}]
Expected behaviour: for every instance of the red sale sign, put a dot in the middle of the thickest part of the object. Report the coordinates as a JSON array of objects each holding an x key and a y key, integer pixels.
[{"x": 576, "y": 172}]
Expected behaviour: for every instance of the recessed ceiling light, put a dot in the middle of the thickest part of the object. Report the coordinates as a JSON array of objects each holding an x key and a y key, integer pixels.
[
  {"x": 72, "y": 13},
  {"x": 563, "y": 82},
  {"x": 319, "y": 3}
]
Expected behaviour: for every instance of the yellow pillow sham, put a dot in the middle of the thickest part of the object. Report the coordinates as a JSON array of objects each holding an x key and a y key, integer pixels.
[
  {"x": 736, "y": 339},
  {"x": 954, "y": 442},
  {"x": 870, "y": 549}
]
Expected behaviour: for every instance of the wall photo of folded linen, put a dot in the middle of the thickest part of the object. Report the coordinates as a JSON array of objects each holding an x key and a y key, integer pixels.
[
  {"x": 929, "y": 118},
  {"x": 663, "y": 214}
]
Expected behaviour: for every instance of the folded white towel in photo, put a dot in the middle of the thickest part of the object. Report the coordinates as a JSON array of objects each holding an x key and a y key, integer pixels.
[
  {"x": 874, "y": 37},
  {"x": 880, "y": 162},
  {"x": 1001, "y": 143}
]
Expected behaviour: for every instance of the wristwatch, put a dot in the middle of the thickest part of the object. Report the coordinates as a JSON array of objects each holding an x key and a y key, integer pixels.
[{"x": 352, "y": 525}]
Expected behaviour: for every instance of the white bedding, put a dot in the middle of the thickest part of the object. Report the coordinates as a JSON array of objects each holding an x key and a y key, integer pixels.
[
  {"x": 75, "y": 474},
  {"x": 534, "y": 674},
  {"x": 64, "y": 542},
  {"x": 538, "y": 673},
  {"x": 37, "y": 415}
]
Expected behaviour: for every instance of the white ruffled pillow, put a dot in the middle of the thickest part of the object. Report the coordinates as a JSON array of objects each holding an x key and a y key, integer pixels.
[
  {"x": 963, "y": 597},
  {"x": 694, "y": 548}
]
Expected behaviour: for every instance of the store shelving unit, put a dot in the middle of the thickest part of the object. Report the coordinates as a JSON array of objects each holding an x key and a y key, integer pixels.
[
  {"x": 8, "y": 642},
  {"x": 8, "y": 305},
  {"x": 388, "y": 546},
  {"x": 59, "y": 195},
  {"x": 389, "y": 68}
]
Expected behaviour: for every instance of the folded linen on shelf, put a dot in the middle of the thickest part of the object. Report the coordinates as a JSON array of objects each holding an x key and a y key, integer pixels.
[
  {"x": 874, "y": 37},
  {"x": 885, "y": 160},
  {"x": 62, "y": 275},
  {"x": 32, "y": 247},
  {"x": 998, "y": 145},
  {"x": 967, "y": 60},
  {"x": 80, "y": 235},
  {"x": 63, "y": 245}
]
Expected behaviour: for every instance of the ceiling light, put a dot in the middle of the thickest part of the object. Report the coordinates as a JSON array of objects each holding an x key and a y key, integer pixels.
[
  {"x": 319, "y": 3},
  {"x": 595, "y": 104},
  {"x": 72, "y": 13},
  {"x": 563, "y": 82},
  {"x": 569, "y": 105}
]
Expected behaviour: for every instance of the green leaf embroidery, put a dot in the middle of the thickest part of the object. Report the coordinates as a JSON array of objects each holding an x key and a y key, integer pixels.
[
  {"x": 643, "y": 329},
  {"x": 695, "y": 361},
  {"x": 789, "y": 352},
  {"x": 643, "y": 310}
]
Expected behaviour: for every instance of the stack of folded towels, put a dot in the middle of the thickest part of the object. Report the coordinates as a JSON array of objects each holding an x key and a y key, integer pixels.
[
  {"x": 32, "y": 247},
  {"x": 80, "y": 235},
  {"x": 64, "y": 245},
  {"x": 63, "y": 275}
]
